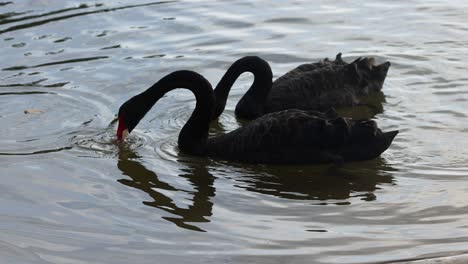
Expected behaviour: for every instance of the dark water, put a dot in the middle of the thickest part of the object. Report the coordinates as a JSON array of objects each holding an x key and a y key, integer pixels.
[{"x": 69, "y": 195}]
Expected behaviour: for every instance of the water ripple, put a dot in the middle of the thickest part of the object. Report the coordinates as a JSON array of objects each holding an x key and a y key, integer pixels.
[
  {"x": 58, "y": 18},
  {"x": 46, "y": 129},
  {"x": 78, "y": 60}
]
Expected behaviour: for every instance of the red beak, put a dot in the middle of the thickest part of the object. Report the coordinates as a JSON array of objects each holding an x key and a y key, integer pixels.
[{"x": 120, "y": 128}]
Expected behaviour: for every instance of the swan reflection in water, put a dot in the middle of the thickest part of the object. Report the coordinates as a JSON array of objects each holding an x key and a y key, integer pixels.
[
  {"x": 321, "y": 184},
  {"x": 148, "y": 181},
  {"x": 369, "y": 107}
]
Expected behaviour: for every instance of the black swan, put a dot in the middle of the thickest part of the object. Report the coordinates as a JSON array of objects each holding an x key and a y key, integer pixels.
[
  {"x": 314, "y": 86},
  {"x": 286, "y": 137}
]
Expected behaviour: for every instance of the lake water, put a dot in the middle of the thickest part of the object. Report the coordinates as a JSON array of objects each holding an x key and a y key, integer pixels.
[{"x": 69, "y": 195}]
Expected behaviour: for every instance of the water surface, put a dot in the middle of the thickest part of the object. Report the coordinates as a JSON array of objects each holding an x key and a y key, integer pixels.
[{"x": 69, "y": 195}]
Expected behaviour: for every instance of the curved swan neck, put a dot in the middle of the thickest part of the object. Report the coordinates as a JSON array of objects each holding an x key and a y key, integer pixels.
[
  {"x": 193, "y": 136},
  {"x": 258, "y": 90}
]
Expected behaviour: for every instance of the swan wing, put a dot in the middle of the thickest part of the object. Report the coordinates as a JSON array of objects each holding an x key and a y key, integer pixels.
[{"x": 290, "y": 136}]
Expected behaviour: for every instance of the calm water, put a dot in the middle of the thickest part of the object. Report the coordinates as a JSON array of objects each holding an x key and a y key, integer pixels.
[{"x": 68, "y": 195}]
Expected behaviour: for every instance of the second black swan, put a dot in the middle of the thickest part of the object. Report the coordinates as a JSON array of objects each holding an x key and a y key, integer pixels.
[
  {"x": 313, "y": 86},
  {"x": 285, "y": 137}
]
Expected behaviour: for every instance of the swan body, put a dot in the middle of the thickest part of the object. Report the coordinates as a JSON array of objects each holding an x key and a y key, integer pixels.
[
  {"x": 299, "y": 137},
  {"x": 314, "y": 86},
  {"x": 287, "y": 137}
]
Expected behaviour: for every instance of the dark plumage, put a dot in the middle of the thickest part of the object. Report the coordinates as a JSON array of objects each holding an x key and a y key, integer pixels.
[
  {"x": 286, "y": 137},
  {"x": 315, "y": 86}
]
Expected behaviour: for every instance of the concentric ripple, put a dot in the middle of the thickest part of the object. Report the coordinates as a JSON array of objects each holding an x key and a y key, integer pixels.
[{"x": 42, "y": 120}]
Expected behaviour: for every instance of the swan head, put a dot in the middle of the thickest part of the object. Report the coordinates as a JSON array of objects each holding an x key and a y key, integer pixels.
[{"x": 130, "y": 114}]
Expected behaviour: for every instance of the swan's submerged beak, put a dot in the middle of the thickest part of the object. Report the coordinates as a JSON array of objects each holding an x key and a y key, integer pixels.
[
  {"x": 122, "y": 131},
  {"x": 121, "y": 138}
]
